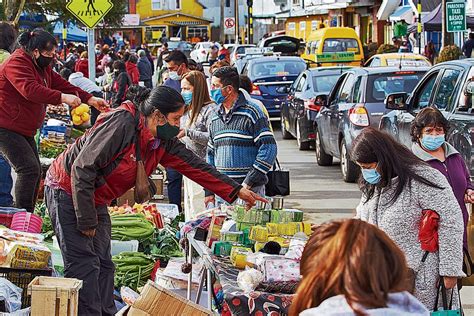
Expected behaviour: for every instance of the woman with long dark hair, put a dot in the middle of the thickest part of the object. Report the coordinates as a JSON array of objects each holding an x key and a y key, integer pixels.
[
  {"x": 397, "y": 186},
  {"x": 27, "y": 85},
  {"x": 350, "y": 267},
  {"x": 100, "y": 167},
  {"x": 195, "y": 132}
]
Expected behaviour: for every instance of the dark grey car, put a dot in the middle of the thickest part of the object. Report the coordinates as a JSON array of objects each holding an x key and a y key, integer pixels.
[
  {"x": 355, "y": 102},
  {"x": 447, "y": 86}
]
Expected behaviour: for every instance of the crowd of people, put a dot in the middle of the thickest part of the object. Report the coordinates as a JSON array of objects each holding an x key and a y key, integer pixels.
[{"x": 212, "y": 136}]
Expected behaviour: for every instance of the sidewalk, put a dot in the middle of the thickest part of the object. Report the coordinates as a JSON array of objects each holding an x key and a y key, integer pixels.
[{"x": 467, "y": 299}]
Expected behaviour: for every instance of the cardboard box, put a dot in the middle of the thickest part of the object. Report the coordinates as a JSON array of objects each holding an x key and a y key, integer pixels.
[{"x": 156, "y": 300}]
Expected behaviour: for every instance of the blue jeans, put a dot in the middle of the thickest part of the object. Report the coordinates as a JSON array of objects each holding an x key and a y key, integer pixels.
[
  {"x": 6, "y": 183},
  {"x": 175, "y": 184}
]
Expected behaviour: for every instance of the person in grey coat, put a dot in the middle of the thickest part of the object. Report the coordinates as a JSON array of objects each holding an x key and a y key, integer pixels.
[
  {"x": 397, "y": 186},
  {"x": 145, "y": 69}
]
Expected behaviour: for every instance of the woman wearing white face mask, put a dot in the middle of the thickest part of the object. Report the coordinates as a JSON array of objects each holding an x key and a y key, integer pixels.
[
  {"x": 397, "y": 187},
  {"x": 429, "y": 143}
]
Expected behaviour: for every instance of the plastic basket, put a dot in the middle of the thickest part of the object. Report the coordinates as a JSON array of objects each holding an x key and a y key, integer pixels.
[
  {"x": 6, "y": 215},
  {"x": 22, "y": 278},
  {"x": 27, "y": 222}
]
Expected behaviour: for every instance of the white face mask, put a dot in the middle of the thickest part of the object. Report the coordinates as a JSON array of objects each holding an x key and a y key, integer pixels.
[
  {"x": 108, "y": 70},
  {"x": 173, "y": 75}
]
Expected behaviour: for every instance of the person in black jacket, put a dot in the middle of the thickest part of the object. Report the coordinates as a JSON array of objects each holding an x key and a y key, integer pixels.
[
  {"x": 145, "y": 69},
  {"x": 120, "y": 83}
]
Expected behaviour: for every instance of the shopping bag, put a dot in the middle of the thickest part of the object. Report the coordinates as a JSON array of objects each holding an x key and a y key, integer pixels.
[
  {"x": 468, "y": 266},
  {"x": 447, "y": 309},
  {"x": 278, "y": 181}
]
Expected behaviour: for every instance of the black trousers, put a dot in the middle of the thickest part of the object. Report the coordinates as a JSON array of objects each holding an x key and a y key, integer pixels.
[
  {"x": 22, "y": 155},
  {"x": 85, "y": 258}
]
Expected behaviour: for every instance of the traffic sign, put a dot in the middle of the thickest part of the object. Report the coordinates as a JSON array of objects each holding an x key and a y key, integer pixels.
[
  {"x": 89, "y": 12},
  {"x": 229, "y": 26},
  {"x": 456, "y": 16}
]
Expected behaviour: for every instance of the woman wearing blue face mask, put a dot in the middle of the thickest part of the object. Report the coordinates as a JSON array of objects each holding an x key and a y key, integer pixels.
[
  {"x": 194, "y": 133},
  {"x": 428, "y": 132},
  {"x": 397, "y": 186}
]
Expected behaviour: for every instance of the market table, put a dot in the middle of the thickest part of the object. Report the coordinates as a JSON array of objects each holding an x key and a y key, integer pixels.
[{"x": 239, "y": 302}]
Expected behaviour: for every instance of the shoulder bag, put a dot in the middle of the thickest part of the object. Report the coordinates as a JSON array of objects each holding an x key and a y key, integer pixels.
[{"x": 278, "y": 181}]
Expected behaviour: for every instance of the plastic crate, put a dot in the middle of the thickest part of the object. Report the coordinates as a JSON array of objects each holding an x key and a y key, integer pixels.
[
  {"x": 22, "y": 278},
  {"x": 6, "y": 215}
]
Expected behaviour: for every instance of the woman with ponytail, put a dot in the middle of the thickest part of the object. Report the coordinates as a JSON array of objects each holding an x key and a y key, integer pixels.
[
  {"x": 350, "y": 267},
  {"x": 27, "y": 85}
]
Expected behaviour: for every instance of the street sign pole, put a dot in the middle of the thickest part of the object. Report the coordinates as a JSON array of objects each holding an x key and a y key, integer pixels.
[
  {"x": 236, "y": 22},
  {"x": 91, "y": 53},
  {"x": 419, "y": 29}
]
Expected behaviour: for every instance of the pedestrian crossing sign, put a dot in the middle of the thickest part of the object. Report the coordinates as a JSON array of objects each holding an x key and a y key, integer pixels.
[{"x": 89, "y": 12}]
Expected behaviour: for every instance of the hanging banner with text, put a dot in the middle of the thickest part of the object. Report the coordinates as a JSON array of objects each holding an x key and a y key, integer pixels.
[{"x": 456, "y": 16}]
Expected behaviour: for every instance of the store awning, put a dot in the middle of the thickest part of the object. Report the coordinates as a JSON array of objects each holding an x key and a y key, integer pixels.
[
  {"x": 188, "y": 23},
  {"x": 177, "y": 19},
  {"x": 402, "y": 13},
  {"x": 387, "y": 8},
  {"x": 73, "y": 34},
  {"x": 432, "y": 21}
]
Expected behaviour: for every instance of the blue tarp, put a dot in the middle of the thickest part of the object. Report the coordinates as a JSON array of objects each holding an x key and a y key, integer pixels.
[{"x": 74, "y": 34}]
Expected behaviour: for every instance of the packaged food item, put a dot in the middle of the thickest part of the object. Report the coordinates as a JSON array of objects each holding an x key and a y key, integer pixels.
[
  {"x": 259, "y": 233},
  {"x": 23, "y": 255},
  {"x": 234, "y": 237},
  {"x": 236, "y": 250}
]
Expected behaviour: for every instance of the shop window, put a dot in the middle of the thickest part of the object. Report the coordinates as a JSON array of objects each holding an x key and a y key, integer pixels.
[
  {"x": 156, "y": 5},
  {"x": 296, "y": 2},
  {"x": 178, "y": 4},
  {"x": 291, "y": 26},
  {"x": 314, "y": 25}
]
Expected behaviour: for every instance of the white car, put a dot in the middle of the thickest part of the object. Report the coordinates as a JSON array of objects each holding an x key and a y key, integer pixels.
[
  {"x": 201, "y": 51},
  {"x": 238, "y": 51}
]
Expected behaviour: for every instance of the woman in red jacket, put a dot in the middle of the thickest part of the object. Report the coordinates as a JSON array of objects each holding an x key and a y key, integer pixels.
[
  {"x": 102, "y": 166},
  {"x": 82, "y": 65},
  {"x": 27, "y": 85},
  {"x": 132, "y": 69}
]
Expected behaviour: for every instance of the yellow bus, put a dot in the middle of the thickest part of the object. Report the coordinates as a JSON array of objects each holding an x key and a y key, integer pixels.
[{"x": 334, "y": 46}]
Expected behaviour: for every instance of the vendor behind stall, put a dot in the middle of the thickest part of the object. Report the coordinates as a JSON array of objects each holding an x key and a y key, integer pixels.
[
  {"x": 27, "y": 85},
  {"x": 102, "y": 166}
]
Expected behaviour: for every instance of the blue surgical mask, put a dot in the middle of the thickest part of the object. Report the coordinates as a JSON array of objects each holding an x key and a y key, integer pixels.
[
  {"x": 173, "y": 75},
  {"x": 216, "y": 95},
  {"x": 432, "y": 142},
  {"x": 372, "y": 176},
  {"x": 187, "y": 96}
]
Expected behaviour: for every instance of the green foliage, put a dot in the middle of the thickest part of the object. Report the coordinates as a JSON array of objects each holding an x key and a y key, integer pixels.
[
  {"x": 451, "y": 52},
  {"x": 387, "y": 48}
]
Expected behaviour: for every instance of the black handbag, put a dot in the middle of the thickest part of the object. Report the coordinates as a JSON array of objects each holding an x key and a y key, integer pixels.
[{"x": 278, "y": 181}]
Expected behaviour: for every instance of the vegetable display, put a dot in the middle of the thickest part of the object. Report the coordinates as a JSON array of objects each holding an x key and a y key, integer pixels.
[
  {"x": 47, "y": 228},
  {"x": 132, "y": 269},
  {"x": 167, "y": 245},
  {"x": 51, "y": 149},
  {"x": 131, "y": 227}
]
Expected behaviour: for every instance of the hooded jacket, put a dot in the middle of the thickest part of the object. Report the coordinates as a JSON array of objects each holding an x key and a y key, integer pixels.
[
  {"x": 101, "y": 165},
  {"x": 25, "y": 90},
  {"x": 398, "y": 304},
  {"x": 133, "y": 72}
]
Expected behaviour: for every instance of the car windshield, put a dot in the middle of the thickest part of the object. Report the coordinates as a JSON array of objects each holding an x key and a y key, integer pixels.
[
  {"x": 206, "y": 45},
  {"x": 334, "y": 45},
  {"x": 407, "y": 62},
  {"x": 324, "y": 83},
  {"x": 277, "y": 68},
  {"x": 381, "y": 85}
]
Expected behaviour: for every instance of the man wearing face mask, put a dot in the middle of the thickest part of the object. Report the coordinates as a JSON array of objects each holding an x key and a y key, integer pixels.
[
  {"x": 102, "y": 166},
  {"x": 27, "y": 85},
  {"x": 241, "y": 143}
]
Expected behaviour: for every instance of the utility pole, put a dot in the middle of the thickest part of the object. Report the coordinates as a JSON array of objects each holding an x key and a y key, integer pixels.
[
  {"x": 250, "y": 20},
  {"x": 420, "y": 29},
  {"x": 222, "y": 28},
  {"x": 236, "y": 2}
]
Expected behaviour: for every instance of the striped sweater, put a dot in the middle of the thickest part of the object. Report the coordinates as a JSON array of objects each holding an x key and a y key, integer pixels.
[{"x": 241, "y": 144}]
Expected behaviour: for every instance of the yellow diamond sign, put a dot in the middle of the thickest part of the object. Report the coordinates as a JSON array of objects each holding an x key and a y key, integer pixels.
[{"x": 89, "y": 12}]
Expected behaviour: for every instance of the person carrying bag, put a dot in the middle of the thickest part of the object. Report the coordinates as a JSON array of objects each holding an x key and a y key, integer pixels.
[{"x": 447, "y": 309}]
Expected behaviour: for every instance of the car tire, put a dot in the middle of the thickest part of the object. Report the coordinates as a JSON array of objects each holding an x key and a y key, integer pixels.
[
  {"x": 350, "y": 171},
  {"x": 284, "y": 133},
  {"x": 322, "y": 159},
  {"x": 301, "y": 145}
]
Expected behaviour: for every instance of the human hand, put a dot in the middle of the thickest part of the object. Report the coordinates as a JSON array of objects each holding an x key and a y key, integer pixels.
[
  {"x": 181, "y": 133},
  {"x": 469, "y": 196},
  {"x": 89, "y": 232},
  {"x": 72, "y": 100},
  {"x": 250, "y": 198},
  {"x": 450, "y": 282},
  {"x": 99, "y": 104}
]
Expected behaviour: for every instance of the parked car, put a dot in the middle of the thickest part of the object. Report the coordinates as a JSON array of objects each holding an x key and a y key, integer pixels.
[
  {"x": 201, "y": 51},
  {"x": 238, "y": 51},
  {"x": 355, "y": 102},
  {"x": 398, "y": 60},
  {"x": 299, "y": 112},
  {"x": 268, "y": 74},
  {"x": 447, "y": 86},
  {"x": 183, "y": 46}
]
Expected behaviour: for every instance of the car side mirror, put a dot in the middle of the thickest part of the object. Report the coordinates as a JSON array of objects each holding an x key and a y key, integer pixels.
[
  {"x": 283, "y": 89},
  {"x": 321, "y": 100},
  {"x": 396, "y": 101}
]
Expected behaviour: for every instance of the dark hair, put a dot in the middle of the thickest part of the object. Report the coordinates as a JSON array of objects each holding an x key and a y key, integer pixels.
[
  {"x": 471, "y": 35},
  {"x": 351, "y": 258},
  {"x": 228, "y": 76},
  {"x": 429, "y": 116},
  {"x": 164, "y": 99},
  {"x": 65, "y": 73},
  {"x": 37, "y": 39},
  {"x": 165, "y": 44},
  {"x": 133, "y": 59},
  {"x": 120, "y": 65},
  {"x": 126, "y": 56},
  {"x": 392, "y": 158},
  {"x": 7, "y": 36},
  {"x": 245, "y": 83},
  {"x": 178, "y": 57},
  {"x": 137, "y": 94},
  {"x": 80, "y": 49}
]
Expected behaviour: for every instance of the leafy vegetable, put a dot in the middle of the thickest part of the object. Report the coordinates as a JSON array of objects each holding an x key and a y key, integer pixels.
[{"x": 132, "y": 269}]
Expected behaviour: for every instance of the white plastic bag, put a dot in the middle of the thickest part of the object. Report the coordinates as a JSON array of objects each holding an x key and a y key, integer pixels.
[
  {"x": 249, "y": 279},
  {"x": 11, "y": 294}
]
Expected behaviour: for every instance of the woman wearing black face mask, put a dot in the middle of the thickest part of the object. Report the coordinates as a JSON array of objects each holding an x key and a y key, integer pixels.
[
  {"x": 27, "y": 85},
  {"x": 101, "y": 166}
]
